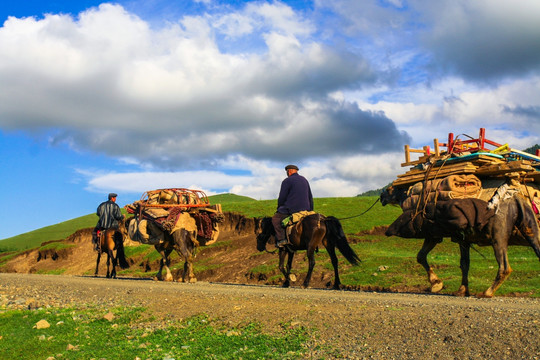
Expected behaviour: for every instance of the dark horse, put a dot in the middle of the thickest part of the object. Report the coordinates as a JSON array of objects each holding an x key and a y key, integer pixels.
[
  {"x": 312, "y": 232},
  {"x": 514, "y": 223},
  {"x": 110, "y": 240}
]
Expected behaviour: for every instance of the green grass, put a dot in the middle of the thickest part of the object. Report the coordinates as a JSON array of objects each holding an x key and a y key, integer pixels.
[
  {"x": 56, "y": 246},
  {"x": 346, "y": 209},
  {"x": 87, "y": 334},
  {"x": 399, "y": 256}
]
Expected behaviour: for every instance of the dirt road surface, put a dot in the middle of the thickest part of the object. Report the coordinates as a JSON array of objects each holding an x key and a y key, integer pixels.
[{"x": 361, "y": 325}]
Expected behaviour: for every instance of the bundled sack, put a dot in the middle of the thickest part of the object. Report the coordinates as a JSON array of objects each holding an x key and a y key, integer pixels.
[
  {"x": 145, "y": 232},
  {"x": 461, "y": 186},
  {"x": 451, "y": 187}
]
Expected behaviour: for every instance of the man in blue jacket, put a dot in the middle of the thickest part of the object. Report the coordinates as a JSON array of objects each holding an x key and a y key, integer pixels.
[
  {"x": 109, "y": 215},
  {"x": 294, "y": 196}
]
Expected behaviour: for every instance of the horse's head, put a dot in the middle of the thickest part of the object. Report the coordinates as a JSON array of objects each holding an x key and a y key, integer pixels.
[
  {"x": 393, "y": 196},
  {"x": 123, "y": 227},
  {"x": 266, "y": 231}
]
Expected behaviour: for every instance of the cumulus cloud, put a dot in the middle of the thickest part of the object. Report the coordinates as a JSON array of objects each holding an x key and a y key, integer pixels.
[{"x": 108, "y": 82}]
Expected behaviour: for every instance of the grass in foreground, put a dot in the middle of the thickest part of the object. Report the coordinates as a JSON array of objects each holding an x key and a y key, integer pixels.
[{"x": 129, "y": 334}]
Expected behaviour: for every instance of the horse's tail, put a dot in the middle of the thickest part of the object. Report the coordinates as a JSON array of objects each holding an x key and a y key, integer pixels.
[
  {"x": 120, "y": 253},
  {"x": 528, "y": 226},
  {"x": 336, "y": 234}
]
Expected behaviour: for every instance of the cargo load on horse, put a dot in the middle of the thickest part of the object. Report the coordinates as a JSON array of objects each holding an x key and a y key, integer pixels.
[
  {"x": 472, "y": 194},
  {"x": 174, "y": 219}
]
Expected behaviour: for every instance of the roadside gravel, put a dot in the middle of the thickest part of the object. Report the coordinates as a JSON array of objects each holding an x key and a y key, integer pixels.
[{"x": 359, "y": 325}]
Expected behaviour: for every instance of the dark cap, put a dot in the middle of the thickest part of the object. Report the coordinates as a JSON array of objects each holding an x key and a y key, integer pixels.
[
  {"x": 111, "y": 195},
  {"x": 291, "y": 167}
]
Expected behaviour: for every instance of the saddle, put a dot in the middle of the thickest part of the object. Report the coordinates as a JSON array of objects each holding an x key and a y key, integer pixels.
[{"x": 292, "y": 221}]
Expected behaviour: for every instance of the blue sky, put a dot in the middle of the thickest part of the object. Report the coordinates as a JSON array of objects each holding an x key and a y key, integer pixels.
[{"x": 219, "y": 95}]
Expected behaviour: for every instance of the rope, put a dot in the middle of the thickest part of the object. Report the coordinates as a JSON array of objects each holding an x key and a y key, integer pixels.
[{"x": 350, "y": 217}]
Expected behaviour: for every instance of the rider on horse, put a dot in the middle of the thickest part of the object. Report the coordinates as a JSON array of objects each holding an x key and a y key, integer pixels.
[
  {"x": 294, "y": 196},
  {"x": 109, "y": 214}
]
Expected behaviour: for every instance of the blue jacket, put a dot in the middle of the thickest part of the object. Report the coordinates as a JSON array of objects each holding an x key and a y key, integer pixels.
[
  {"x": 294, "y": 195},
  {"x": 109, "y": 214}
]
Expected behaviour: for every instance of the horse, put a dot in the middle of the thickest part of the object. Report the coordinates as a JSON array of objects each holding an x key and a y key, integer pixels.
[
  {"x": 182, "y": 238},
  {"x": 309, "y": 234},
  {"x": 513, "y": 223},
  {"x": 110, "y": 240}
]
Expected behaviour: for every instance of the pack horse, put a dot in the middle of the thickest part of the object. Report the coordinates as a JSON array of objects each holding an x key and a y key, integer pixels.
[{"x": 178, "y": 220}]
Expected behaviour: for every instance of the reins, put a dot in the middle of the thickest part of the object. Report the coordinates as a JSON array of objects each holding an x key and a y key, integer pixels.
[{"x": 350, "y": 217}]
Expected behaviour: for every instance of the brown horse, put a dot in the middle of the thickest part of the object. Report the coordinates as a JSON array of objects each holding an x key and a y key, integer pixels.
[
  {"x": 182, "y": 239},
  {"x": 109, "y": 241},
  {"x": 514, "y": 223},
  {"x": 309, "y": 234}
]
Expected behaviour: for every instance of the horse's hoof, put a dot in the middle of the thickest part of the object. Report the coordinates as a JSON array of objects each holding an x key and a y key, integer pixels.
[
  {"x": 463, "y": 291},
  {"x": 484, "y": 296},
  {"x": 292, "y": 277},
  {"x": 437, "y": 287}
]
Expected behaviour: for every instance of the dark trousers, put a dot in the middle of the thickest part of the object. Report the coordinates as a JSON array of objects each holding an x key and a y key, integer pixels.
[{"x": 276, "y": 221}]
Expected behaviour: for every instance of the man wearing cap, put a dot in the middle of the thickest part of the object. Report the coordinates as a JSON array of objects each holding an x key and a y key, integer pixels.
[
  {"x": 109, "y": 214},
  {"x": 294, "y": 196}
]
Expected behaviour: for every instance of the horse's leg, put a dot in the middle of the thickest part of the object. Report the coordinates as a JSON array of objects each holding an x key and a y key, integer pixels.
[
  {"x": 110, "y": 253},
  {"x": 332, "y": 252},
  {"x": 285, "y": 271},
  {"x": 184, "y": 247},
  {"x": 163, "y": 263},
  {"x": 97, "y": 263},
  {"x": 113, "y": 261},
  {"x": 166, "y": 265},
  {"x": 464, "y": 264},
  {"x": 311, "y": 264},
  {"x": 500, "y": 228},
  {"x": 500, "y": 248},
  {"x": 429, "y": 244},
  {"x": 108, "y": 264}
]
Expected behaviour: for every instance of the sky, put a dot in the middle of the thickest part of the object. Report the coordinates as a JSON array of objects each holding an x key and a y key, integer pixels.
[{"x": 136, "y": 95}]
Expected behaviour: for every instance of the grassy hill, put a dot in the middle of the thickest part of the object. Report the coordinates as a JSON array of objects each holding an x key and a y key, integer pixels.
[{"x": 338, "y": 207}]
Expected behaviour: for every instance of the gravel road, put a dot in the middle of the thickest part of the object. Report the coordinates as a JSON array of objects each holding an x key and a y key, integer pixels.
[{"x": 361, "y": 325}]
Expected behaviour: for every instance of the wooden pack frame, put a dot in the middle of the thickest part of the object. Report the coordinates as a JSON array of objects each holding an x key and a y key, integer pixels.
[{"x": 453, "y": 146}]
